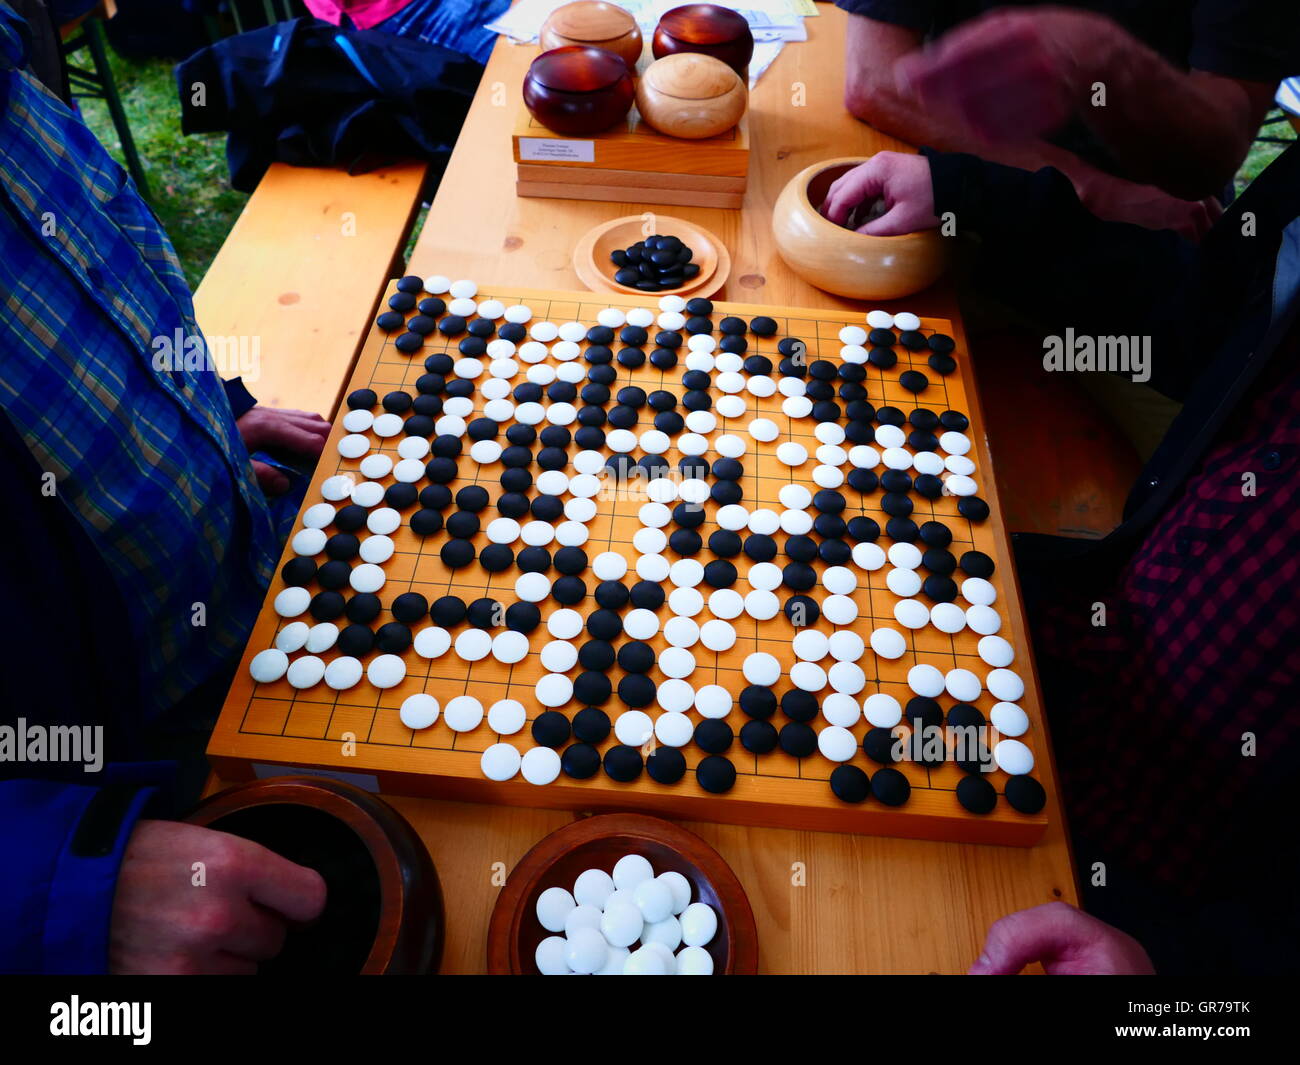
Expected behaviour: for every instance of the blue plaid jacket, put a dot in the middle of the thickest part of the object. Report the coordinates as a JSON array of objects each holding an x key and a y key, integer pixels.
[
  {"x": 151, "y": 480},
  {"x": 144, "y": 450}
]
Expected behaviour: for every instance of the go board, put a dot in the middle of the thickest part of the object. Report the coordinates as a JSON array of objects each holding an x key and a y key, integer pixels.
[{"x": 357, "y": 727}]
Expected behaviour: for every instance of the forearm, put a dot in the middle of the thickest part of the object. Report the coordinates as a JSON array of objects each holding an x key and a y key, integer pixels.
[
  {"x": 1185, "y": 132},
  {"x": 870, "y": 95}
]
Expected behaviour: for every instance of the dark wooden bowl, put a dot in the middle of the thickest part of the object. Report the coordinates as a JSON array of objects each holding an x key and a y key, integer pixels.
[
  {"x": 597, "y": 843},
  {"x": 383, "y": 909},
  {"x": 709, "y": 29},
  {"x": 578, "y": 90}
]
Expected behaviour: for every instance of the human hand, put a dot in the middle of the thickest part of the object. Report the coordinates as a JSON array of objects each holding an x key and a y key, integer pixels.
[
  {"x": 1067, "y": 941},
  {"x": 901, "y": 180},
  {"x": 1011, "y": 75},
  {"x": 296, "y": 431},
  {"x": 163, "y": 922},
  {"x": 1117, "y": 200}
]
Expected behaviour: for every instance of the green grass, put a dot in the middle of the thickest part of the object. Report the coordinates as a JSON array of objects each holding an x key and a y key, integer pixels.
[
  {"x": 187, "y": 175},
  {"x": 1260, "y": 155}
]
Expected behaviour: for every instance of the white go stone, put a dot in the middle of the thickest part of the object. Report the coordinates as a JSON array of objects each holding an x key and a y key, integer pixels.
[
  {"x": 925, "y": 679},
  {"x": 501, "y": 761},
  {"x": 674, "y": 729},
  {"x": 268, "y": 666},
  {"x": 947, "y": 617},
  {"x": 1009, "y": 719},
  {"x": 1005, "y": 685},
  {"x": 882, "y": 710},
  {"x": 507, "y": 716},
  {"x": 847, "y": 646},
  {"x": 717, "y": 636},
  {"x": 996, "y": 651},
  {"x": 761, "y": 668},
  {"x": 463, "y": 713},
  {"x": 888, "y": 643},
  {"x": 836, "y": 744},
  {"x": 1013, "y": 758},
  {"x": 419, "y": 711},
  {"x": 540, "y": 766},
  {"x": 983, "y": 620},
  {"x": 432, "y": 642}
]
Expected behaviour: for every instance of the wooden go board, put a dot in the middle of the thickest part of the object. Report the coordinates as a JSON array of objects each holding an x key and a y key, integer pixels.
[{"x": 358, "y": 730}]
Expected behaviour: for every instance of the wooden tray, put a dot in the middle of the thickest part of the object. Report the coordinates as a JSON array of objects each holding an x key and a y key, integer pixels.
[{"x": 593, "y": 267}]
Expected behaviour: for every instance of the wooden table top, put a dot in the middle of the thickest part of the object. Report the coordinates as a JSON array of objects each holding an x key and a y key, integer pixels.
[{"x": 825, "y": 903}]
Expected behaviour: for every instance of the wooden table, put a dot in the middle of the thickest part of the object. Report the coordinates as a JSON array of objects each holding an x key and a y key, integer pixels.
[{"x": 824, "y": 903}]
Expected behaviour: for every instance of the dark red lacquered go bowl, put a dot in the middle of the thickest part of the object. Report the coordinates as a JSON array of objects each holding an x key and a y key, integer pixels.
[
  {"x": 708, "y": 29},
  {"x": 577, "y": 90}
]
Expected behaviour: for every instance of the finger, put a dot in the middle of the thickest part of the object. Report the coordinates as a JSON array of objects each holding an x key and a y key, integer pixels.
[
  {"x": 293, "y": 890},
  {"x": 292, "y": 436},
  {"x": 1038, "y": 934},
  {"x": 306, "y": 419},
  {"x": 257, "y": 934},
  {"x": 857, "y": 186},
  {"x": 893, "y": 223},
  {"x": 269, "y": 479}
]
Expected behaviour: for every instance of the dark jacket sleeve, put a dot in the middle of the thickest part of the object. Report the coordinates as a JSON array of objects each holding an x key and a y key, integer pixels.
[
  {"x": 62, "y": 845},
  {"x": 241, "y": 400},
  {"x": 1048, "y": 256}
]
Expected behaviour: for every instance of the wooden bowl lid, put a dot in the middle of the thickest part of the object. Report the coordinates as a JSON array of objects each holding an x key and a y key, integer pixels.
[
  {"x": 591, "y": 20},
  {"x": 691, "y": 76},
  {"x": 704, "y": 24},
  {"x": 577, "y": 68}
]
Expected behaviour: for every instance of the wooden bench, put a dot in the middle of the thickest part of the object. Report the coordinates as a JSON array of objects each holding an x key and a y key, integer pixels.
[{"x": 301, "y": 272}]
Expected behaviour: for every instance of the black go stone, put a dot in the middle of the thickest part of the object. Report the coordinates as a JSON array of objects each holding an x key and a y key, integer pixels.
[
  {"x": 551, "y": 729},
  {"x": 797, "y": 739},
  {"x": 758, "y": 736},
  {"x": 647, "y": 595},
  {"x": 523, "y": 617},
  {"x": 363, "y": 608},
  {"x": 1025, "y": 795},
  {"x": 596, "y": 654},
  {"x": 890, "y": 787},
  {"x": 623, "y": 763},
  {"x": 580, "y": 761},
  {"x": 393, "y": 638},
  {"x": 716, "y": 774},
  {"x": 758, "y": 702},
  {"x": 850, "y": 784},
  {"x": 666, "y": 765}
]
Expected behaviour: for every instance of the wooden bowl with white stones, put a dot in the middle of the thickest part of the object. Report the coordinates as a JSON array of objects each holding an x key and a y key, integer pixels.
[{"x": 597, "y": 843}]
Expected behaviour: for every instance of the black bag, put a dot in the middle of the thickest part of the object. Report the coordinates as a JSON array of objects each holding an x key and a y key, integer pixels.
[{"x": 310, "y": 94}]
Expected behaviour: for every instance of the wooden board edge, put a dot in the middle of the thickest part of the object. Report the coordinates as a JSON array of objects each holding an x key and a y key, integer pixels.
[{"x": 614, "y": 194}]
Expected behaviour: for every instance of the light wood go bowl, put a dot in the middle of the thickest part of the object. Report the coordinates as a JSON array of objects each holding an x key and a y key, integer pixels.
[
  {"x": 592, "y": 264},
  {"x": 840, "y": 260},
  {"x": 597, "y": 843},
  {"x": 690, "y": 95},
  {"x": 596, "y": 24}
]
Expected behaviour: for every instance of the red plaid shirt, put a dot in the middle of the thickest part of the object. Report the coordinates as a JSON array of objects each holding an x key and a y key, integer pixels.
[{"x": 1201, "y": 650}]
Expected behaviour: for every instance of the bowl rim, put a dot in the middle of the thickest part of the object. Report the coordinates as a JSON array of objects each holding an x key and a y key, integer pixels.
[
  {"x": 511, "y": 909},
  {"x": 805, "y": 178}
]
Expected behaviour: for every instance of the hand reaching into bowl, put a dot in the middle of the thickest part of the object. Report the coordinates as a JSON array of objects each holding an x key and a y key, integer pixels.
[{"x": 901, "y": 181}]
